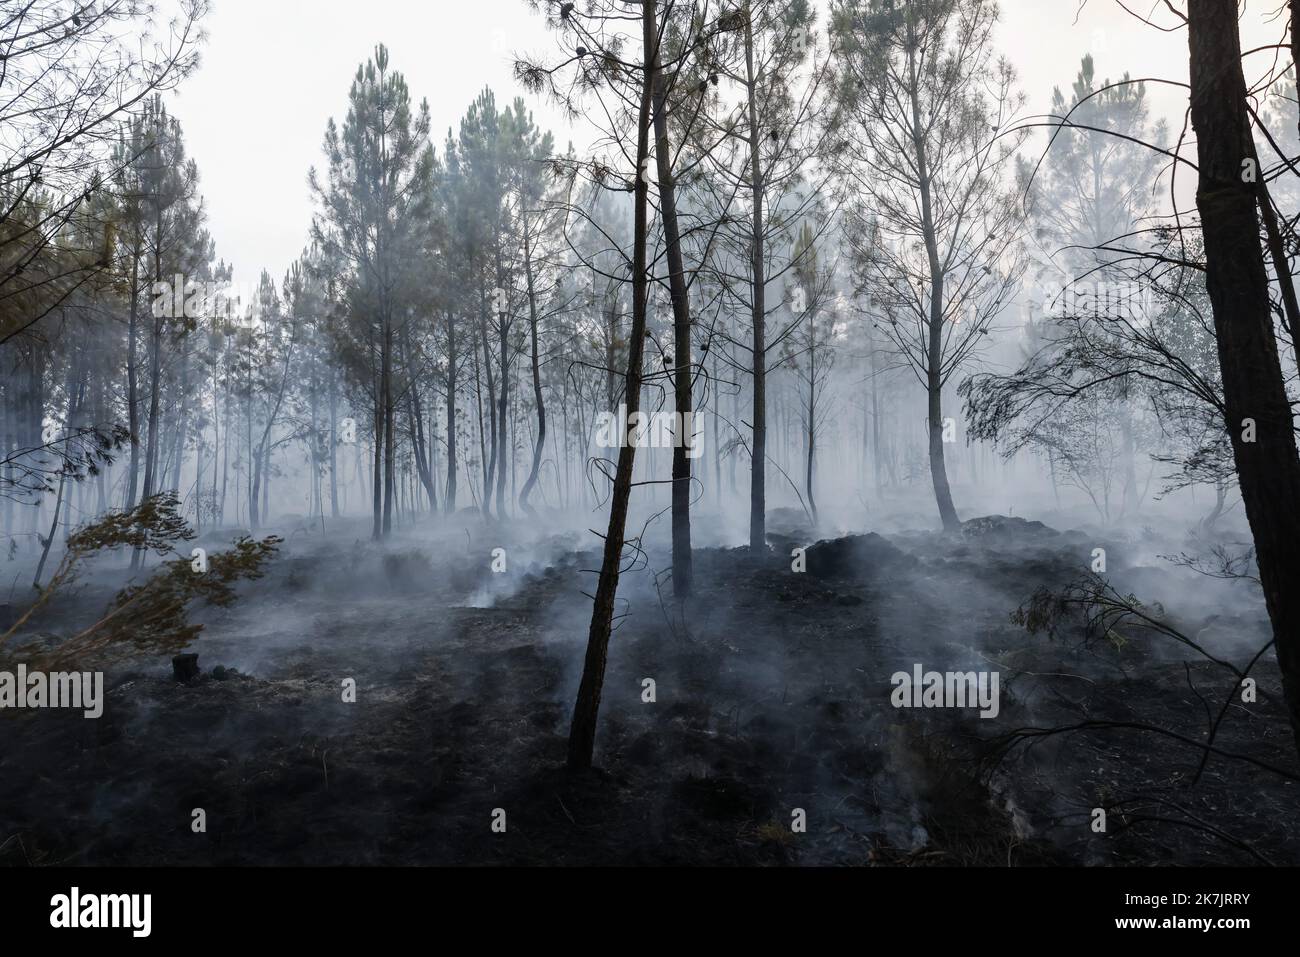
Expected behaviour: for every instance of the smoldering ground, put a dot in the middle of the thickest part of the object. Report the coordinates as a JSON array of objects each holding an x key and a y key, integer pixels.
[{"x": 771, "y": 697}]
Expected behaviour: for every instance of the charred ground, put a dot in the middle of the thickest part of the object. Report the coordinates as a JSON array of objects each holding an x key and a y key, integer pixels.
[{"x": 772, "y": 693}]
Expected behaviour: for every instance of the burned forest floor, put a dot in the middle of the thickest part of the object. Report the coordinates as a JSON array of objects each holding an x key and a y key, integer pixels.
[{"x": 764, "y": 700}]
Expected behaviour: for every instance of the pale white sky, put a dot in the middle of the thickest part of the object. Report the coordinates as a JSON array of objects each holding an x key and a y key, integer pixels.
[{"x": 275, "y": 70}]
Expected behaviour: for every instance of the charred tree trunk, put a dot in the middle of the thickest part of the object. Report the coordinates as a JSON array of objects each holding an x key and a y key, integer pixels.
[
  {"x": 582, "y": 734},
  {"x": 1268, "y": 468},
  {"x": 1295, "y": 46},
  {"x": 613, "y": 324},
  {"x": 758, "y": 454},
  {"x": 683, "y": 569}
]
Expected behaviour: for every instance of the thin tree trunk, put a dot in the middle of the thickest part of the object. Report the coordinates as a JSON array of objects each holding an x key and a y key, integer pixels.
[
  {"x": 582, "y": 735},
  {"x": 182, "y": 424},
  {"x": 334, "y": 446},
  {"x": 934, "y": 356},
  {"x": 450, "y": 495},
  {"x": 489, "y": 463},
  {"x": 132, "y": 381},
  {"x": 540, "y": 443},
  {"x": 503, "y": 419},
  {"x": 683, "y": 568},
  {"x": 377, "y": 489},
  {"x": 812, "y": 426},
  {"x": 758, "y": 469},
  {"x": 390, "y": 455}
]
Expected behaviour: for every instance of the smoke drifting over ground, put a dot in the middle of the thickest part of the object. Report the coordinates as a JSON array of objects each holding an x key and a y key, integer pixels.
[{"x": 771, "y": 697}]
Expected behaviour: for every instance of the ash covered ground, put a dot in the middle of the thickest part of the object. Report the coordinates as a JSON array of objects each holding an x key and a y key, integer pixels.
[{"x": 772, "y": 693}]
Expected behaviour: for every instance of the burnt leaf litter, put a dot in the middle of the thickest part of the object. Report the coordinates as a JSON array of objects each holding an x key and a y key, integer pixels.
[{"x": 772, "y": 695}]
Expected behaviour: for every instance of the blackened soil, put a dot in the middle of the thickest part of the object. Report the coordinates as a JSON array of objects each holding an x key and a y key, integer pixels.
[{"x": 771, "y": 706}]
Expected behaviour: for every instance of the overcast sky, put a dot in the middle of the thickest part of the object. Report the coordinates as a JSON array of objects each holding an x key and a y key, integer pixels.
[{"x": 274, "y": 71}]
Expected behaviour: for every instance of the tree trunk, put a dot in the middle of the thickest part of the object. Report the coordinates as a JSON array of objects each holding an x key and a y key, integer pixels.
[
  {"x": 415, "y": 409},
  {"x": 758, "y": 456},
  {"x": 182, "y": 426},
  {"x": 812, "y": 427},
  {"x": 75, "y": 391},
  {"x": 489, "y": 463},
  {"x": 390, "y": 452},
  {"x": 450, "y": 496},
  {"x": 132, "y": 382},
  {"x": 683, "y": 374},
  {"x": 582, "y": 735},
  {"x": 151, "y": 447},
  {"x": 376, "y": 489},
  {"x": 1295, "y": 47},
  {"x": 540, "y": 443},
  {"x": 503, "y": 418},
  {"x": 155, "y": 399},
  {"x": 934, "y": 352},
  {"x": 1268, "y": 468}
]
